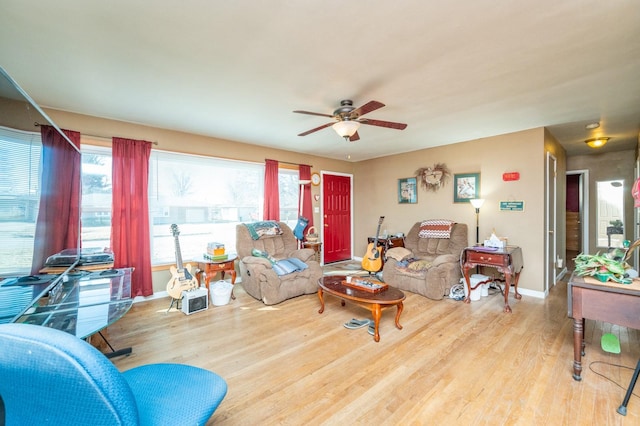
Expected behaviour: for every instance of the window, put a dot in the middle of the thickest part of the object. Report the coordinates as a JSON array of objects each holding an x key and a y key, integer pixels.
[
  {"x": 289, "y": 194},
  {"x": 96, "y": 197},
  {"x": 20, "y": 173},
  {"x": 206, "y": 197}
]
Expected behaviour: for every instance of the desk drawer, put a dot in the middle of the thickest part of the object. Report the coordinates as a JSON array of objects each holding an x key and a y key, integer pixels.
[
  {"x": 491, "y": 259},
  {"x": 218, "y": 266}
]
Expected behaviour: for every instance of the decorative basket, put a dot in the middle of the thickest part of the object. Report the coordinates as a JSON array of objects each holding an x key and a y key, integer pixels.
[{"x": 312, "y": 235}]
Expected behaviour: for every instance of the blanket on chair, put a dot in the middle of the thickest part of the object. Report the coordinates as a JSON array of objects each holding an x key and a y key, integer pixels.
[
  {"x": 436, "y": 228},
  {"x": 258, "y": 229},
  {"x": 282, "y": 266}
]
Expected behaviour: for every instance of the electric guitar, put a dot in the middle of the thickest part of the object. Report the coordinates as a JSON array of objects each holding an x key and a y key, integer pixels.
[
  {"x": 181, "y": 278},
  {"x": 372, "y": 261}
]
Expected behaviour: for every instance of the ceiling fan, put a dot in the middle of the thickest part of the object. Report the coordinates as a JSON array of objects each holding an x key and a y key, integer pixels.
[{"x": 348, "y": 119}]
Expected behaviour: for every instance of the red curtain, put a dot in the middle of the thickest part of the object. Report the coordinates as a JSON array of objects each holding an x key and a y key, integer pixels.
[
  {"x": 271, "y": 191},
  {"x": 130, "y": 234},
  {"x": 58, "y": 224},
  {"x": 304, "y": 173}
]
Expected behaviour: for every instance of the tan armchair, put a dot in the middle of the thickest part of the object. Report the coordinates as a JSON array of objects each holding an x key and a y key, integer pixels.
[
  {"x": 258, "y": 277},
  {"x": 438, "y": 265}
]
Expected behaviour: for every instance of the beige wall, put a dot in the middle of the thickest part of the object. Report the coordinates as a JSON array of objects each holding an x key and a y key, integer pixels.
[
  {"x": 375, "y": 183},
  {"x": 524, "y": 152}
]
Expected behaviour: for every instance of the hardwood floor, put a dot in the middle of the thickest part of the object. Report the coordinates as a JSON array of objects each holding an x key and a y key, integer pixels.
[{"x": 452, "y": 363}]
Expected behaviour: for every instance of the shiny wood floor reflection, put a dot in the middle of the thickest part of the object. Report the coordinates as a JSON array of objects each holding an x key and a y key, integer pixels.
[{"x": 452, "y": 363}]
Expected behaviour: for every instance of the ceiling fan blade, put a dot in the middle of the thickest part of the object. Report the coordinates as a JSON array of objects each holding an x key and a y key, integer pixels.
[
  {"x": 316, "y": 129},
  {"x": 366, "y": 108},
  {"x": 354, "y": 137},
  {"x": 313, "y": 113},
  {"x": 381, "y": 123}
]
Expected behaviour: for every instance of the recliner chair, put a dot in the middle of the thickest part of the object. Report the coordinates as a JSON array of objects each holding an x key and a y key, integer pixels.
[
  {"x": 438, "y": 258},
  {"x": 260, "y": 280},
  {"x": 48, "y": 376}
]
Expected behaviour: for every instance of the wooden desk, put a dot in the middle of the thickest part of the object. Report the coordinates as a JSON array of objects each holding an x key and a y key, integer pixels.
[
  {"x": 210, "y": 268},
  {"x": 507, "y": 260},
  {"x": 609, "y": 302}
]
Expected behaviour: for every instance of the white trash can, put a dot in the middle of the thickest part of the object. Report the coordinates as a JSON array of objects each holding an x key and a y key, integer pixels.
[
  {"x": 476, "y": 294},
  {"x": 221, "y": 293}
]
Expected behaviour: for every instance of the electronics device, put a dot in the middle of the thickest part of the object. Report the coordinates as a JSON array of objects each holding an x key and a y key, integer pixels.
[{"x": 195, "y": 300}]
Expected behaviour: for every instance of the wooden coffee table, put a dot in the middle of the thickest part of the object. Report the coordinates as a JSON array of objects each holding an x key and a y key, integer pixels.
[{"x": 375, "y": 302}]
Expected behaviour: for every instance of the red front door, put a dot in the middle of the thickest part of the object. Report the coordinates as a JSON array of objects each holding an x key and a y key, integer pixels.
[{"x": 337, "y": 218}]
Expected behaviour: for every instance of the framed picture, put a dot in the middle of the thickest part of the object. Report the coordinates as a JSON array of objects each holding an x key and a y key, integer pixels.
[
  {"x": 408, "y": 190},
  {"x": 466, "y": 186}
]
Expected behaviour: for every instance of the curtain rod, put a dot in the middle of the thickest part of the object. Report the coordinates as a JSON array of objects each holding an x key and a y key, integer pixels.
[
  {"x": 105, "y": 138},
  {"x": 108, "y": 138},
  {"x": 287, "y": 162}
]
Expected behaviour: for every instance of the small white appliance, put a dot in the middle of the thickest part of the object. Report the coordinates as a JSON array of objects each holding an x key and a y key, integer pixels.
[{"x": 195, "y": 300}]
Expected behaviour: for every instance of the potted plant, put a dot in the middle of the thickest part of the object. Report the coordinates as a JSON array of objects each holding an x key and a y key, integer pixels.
[
  {"x": 608, "y": 266},
  {"x": 615, "y": 228}
]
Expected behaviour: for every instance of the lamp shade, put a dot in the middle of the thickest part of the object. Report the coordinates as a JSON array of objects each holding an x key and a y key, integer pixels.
[
  {"x": 346, "y": 128},
  {"x": 597, "y": 142},
  {"x": 477, "y": 202}
]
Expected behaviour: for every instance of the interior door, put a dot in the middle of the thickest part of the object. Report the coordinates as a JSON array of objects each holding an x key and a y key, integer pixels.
[
  {"x": 552, "y": 212},
  {"x": 336, "y": 205}
]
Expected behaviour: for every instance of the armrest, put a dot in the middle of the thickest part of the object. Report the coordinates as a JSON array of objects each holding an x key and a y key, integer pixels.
[
  {"x": 304, "y": 254},
  {"x": 398, "y": 253},
  {"x": 253, "y": 260},
  {"x": 445, "y": 258}
]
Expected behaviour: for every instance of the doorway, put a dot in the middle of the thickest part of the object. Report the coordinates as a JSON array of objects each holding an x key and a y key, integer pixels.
[
  {"x": 336, "y": 217},
  {"x": 577, "y": 215}
]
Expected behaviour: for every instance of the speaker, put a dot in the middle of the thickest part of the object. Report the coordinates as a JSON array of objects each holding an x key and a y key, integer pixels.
[{"x": 195, "y": 300}]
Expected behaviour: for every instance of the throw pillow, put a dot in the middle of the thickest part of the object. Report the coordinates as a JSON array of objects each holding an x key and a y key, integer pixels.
[{"x": 419, "y": 265}]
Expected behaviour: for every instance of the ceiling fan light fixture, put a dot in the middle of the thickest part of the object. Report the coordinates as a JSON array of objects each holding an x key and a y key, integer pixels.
[
  {"x": 597, "y": 142},
  {"x": 346, "y": 128}
]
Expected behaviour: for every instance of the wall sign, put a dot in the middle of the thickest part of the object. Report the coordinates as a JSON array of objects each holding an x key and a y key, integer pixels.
[
  {"x": 512, "y": 206},
  {"x": 510, "y": 176}
]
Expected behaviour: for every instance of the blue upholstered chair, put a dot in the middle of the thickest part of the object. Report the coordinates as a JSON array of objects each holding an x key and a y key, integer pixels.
[{"x": 51, "y": 377}]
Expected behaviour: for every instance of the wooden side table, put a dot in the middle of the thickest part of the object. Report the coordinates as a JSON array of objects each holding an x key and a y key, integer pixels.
[
  {"x": 316, "y": 246},
  {"x": 209, "y": 268},
  {"x": 507, "y": 261}
]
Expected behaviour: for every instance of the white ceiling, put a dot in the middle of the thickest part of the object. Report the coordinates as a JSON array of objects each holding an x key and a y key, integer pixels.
[{"x": 452, "y": 70}]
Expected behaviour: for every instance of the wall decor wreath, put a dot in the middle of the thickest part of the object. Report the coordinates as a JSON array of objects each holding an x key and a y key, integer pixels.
[{"x": 433, "y": 178}]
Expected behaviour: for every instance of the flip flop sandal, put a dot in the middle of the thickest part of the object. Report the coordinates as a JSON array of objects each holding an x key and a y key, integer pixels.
[
  {"x": 371, "y": 330},
  {"x": 355, "y": 323}
]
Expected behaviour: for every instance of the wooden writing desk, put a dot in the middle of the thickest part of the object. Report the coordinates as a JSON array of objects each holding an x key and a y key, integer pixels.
[{"x": 609, "y": 302}]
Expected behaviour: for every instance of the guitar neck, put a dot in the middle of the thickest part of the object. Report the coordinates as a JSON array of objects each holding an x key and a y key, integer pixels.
[
  {"x": 178, "y": 254},
  {"x": 375, "y": 242}
]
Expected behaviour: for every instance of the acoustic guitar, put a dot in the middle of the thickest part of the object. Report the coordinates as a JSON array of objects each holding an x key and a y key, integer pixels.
[
  {"x": 181, "y": 278},
  {"x": 372, "y": 261}
]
